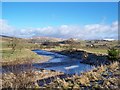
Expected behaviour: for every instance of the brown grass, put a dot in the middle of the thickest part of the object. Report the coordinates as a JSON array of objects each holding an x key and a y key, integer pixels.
[{"x": 102, "y": 77}]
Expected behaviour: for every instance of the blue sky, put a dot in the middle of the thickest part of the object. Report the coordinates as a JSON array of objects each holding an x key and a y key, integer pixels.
[
  {"x": 55, "y": 14},
  {"x": 29, "y": 16}
]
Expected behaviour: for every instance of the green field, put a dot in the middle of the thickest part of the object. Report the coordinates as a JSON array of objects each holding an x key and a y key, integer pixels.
[
  {"x": 24, "y": 54},
  {"x": 23, "y": 49},
  {"x": 21, "y": 54},
  {"x": 95, "y": 50},
  {"x": 91, "y": 50}
]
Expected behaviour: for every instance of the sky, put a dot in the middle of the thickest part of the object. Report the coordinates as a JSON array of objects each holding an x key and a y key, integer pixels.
[{"x": 82, "y": 20}]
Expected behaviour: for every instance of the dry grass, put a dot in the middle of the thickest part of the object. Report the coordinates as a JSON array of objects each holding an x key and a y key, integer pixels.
[
  {"x": 114, "y": 66},
  {"x": 21, "y": 80},
  {"x": 26, "y": 79},
  {"x": 102, "y": 77},
  {"x": 83, "y": 80}
]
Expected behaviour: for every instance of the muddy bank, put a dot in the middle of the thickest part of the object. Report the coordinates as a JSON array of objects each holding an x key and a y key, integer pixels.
[{"x": 86, "y": 57}]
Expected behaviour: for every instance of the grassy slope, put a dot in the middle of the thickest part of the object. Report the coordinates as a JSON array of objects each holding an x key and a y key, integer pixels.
[
  {"x": 98, "y": 50},
  {"x": 91, "y": 50},
  {"x": 17, "y": 55},
  {"x": 95, "y": 50},
  {"x": 20, "y": 56}
]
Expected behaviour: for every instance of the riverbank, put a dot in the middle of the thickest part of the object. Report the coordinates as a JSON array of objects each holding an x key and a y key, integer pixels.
[
  {"x": 25, "y": 56},
  {"x": 29, "y": 71},
  {"x": 19, "y": 51},
  {"x": 33, "y": 78},
  {"x": 90, "y": 58},
  {"x": 101, "y": 78},
  {"x": 27, "y": 79}
]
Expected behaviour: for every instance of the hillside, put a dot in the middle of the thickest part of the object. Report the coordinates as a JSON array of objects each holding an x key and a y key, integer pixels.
[
  {"x": 18, "y": 51},
  {"x": 43, "y": 39}
]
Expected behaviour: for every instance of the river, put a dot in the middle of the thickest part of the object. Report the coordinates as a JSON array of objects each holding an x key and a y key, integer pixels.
[
  {"x": 57, "y": 62},
  {"x": 62, "y": 63}
]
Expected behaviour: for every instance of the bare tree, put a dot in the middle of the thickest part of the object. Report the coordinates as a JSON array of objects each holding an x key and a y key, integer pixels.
[{"x": 14, "y": 44}]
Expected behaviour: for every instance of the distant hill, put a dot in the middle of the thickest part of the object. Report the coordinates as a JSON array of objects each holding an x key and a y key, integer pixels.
[
  {"x": 44, "y": 39},
  {"x": 5, "y": 36},
  {"x": 69, "y": 41}
]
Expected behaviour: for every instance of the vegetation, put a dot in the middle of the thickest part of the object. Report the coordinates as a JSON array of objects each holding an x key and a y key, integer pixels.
[
  {"x": 113, "y": 54},
  {"x": 18, "y": 80},
  {"x": 17, "y": 51},
  {"x": 95, "y": 50},
  {"x": 18, "y": 57},
  {"x": 102, "y": 77},
  {"x": 26, "y": 79},
  {"x": 94, "y": 46}
]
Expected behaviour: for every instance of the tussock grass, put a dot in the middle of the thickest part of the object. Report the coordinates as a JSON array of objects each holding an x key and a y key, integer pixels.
[
  {"x": 22, "y": 79},
  {"x": 114, "y": 66},
  {"x": 19, "y": 80},
  {"x": 102, "y": 77},
  {"x": 26, "y": 79}
]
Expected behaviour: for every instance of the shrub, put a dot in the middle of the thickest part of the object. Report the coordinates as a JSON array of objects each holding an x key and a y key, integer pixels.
[{"x": 113, "y": 54}]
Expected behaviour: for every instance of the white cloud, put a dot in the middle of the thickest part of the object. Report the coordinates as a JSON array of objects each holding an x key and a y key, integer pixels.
[
  {"x": 5, "y": 28},
  {"x": 91, "y": 31}
]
